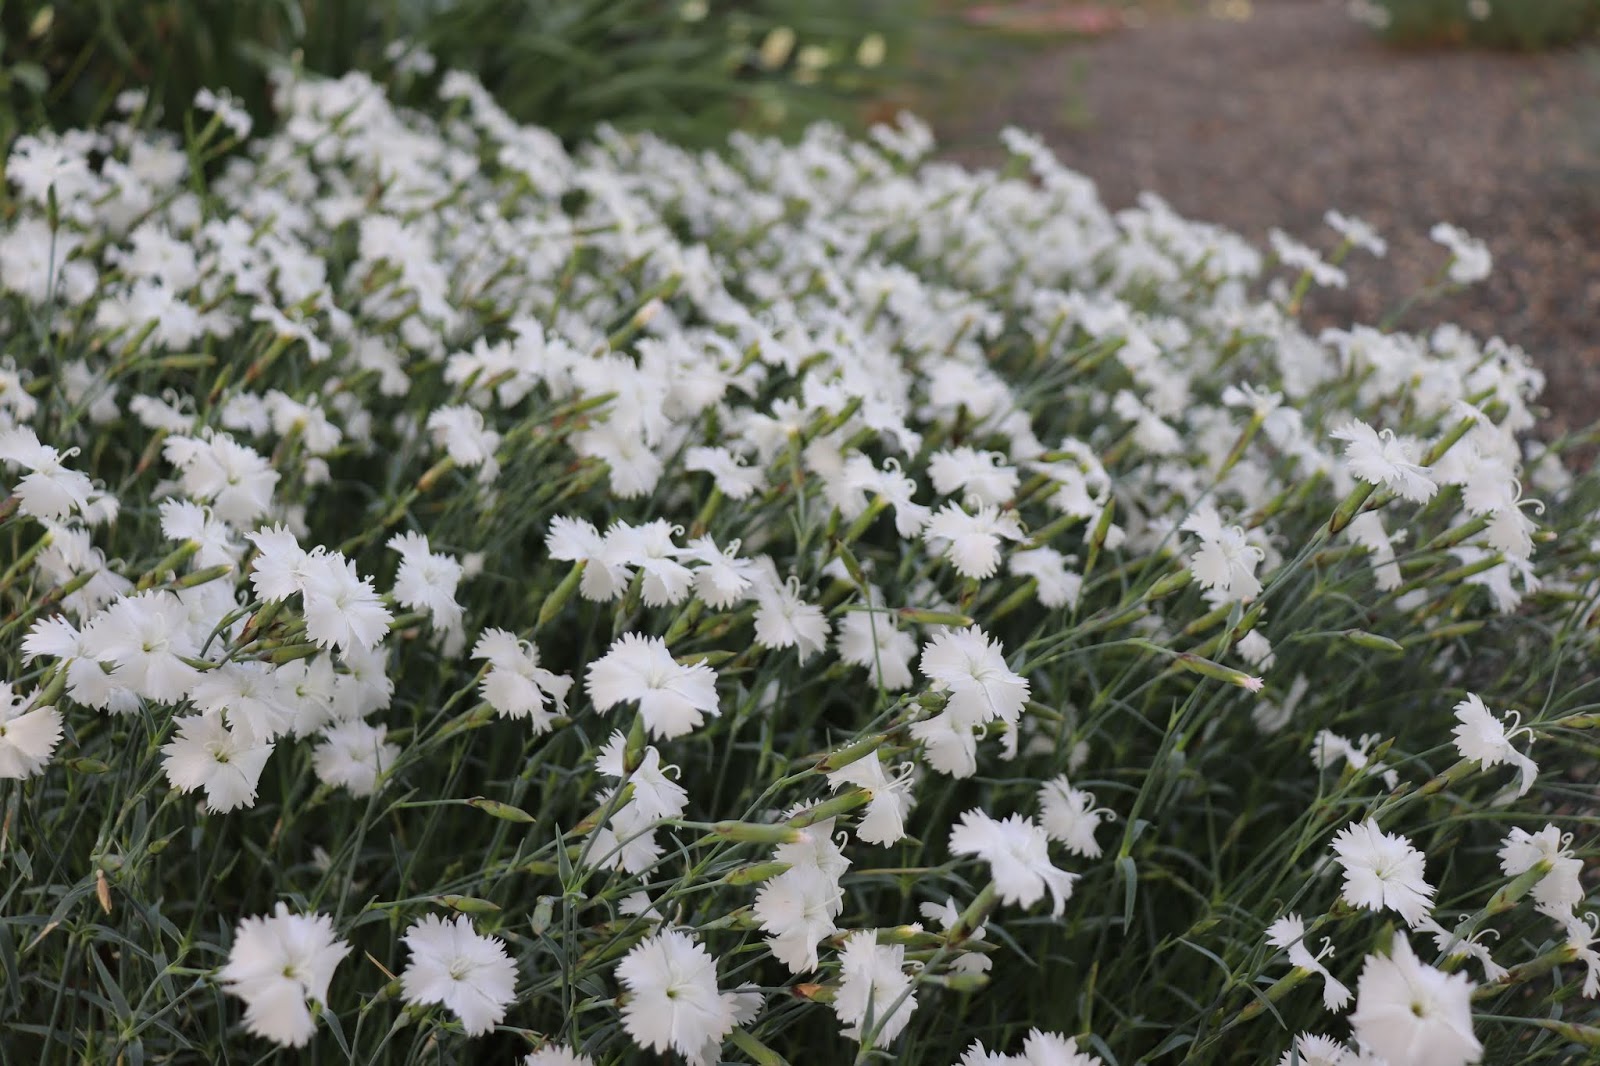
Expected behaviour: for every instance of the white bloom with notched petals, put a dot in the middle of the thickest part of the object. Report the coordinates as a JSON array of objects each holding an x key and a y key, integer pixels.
[
  {"x": 218, "y": 470},
  {"x": 341, "y": 607},
  {"x": 1409, "y": 1012},
  {"x": 1378, "y": 457},
  {"x": 556, "y": 1055},
  {"x": 281, "y": 567},
  {"x": 51, "y": 489},
  {"x": 885, "y": 820},
  {"x": 1226, "y": 560},
  {"x": 1470, "y": 261},
  {"x": 796, "y": 910},
  {"x": 226, "y": 763},
  {"x": 972, "y": 669},
  {"x": 1482, "y": 736},
  {"x": 1069, "y": 815},
  {"x": 673, "y": 698},
  {"x": 279, "y": 964},
  {"x": 452, "y": 965},
  {"x": 1382, "y": 870},
  {"x": 873, "y": 640},
  {"x": 1557, "y": 892},
  {"x": 28, "y": 735},
  {"x": 1017, "y": 851},
  {"x": 1288, "y": 934},
  {"x": 516, "y": 685},
  {"x": 970, "y": 540},
  {"x": 873, "y": 984},
  {"x": 427, "y": 580},
  {"x": 148, "y": 638},
  {"x": 353, "y": 755},
  {"x": 673, "y": 1002}
]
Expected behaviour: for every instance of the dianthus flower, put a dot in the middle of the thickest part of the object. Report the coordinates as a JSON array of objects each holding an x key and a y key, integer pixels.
[
  {"x": 277, "y": 964},
  {"x": 673, "y": 698},
  {"x": 1018, "y": 855},
  {"x": 469, "y": 974}
]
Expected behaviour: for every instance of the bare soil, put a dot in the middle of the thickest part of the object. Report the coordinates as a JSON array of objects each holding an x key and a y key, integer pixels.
[{"x": 1271, "y": 118}]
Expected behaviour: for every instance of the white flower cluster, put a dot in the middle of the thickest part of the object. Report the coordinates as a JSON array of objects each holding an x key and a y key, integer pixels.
[{"x": 742, "y": 536}]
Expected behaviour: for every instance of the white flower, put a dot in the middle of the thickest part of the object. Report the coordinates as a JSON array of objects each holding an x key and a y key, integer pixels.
[
  {"x": 148, "y": 637},
  {"x": 1288, "y": 934},
  {"x": 672, "y": 996},
  {"x": 871, "y": 639},
  {"x": 342, "y": 609},
  {"x": 733, "y": 479},
  {"x": 1310, "y": 1050},
  {"x": 817, "y": 848},
  {"x": 184, "y": 521},
  {"x": 655, "y": 794},
  {"x": 796, "y": 910},
  {"x": 516, "y": 685},
  {"x": 722, "y": 579},
  {"x": 51, "y": 490},
  {"x": 1484, "y": 737},
  {"x": 1051, "y": 1049},
  {"x": 1461, "y": 943},
  {"x": 983, "y": 475},
  {"x": 278, "y": 963},
  {"x": 234, "y": 479},
  {"x": 226, "y": 762},
  {"x": 281, "y": 566},
  {"x": 1581, "y": 937},
  {"x": 885, "y": 820},
  {"x": 1558, "y": 891},
  {"x": 27, "y": 737},
  {"x": 1069, "y": 815},
  {"x": 949, "y": 743},
  {"x": 1057, "y": 586},
  {"x": 1470, "y": 261},
  {"x": 947, "y": 915},
  {"x": 353, "y": 755},
  {"x": 784, "y": 620},
  {"x": 649, "y": 547},
  {"x": 627, "y": 842},
  {"x": 673, "y": 699},
  {"x": 1357, "y": 232},
  {"x": 1305, "y": 259},
  {"x": 1408, "y": 1012},
  {"x": 971, "y": 542},
  {"x": 451, "y": 964},
  {"x": 1225, "y": 561},
  {"x": 556, "y": 1055},
  {"x": 427, "y": 580},
  {"x": 1381, "y": 458},
  {"x": 873, "y": 984},
  {"x": 972, "y": 668},
  {"x": 249, "y": 695},
  {"x": 605, "y": 574},
  {"x": 461, "y": 433},
  {"x": 1366, "y": 529},
  {"x": 1328, "y": 747},
  {"x": 226, "y": 108},
  {"x": 1018, "y": 855},
  {"x": 1382, "y": 870}
]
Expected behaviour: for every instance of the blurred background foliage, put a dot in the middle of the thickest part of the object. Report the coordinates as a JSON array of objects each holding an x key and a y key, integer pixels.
[
  {"x": 1522, "y": 24},
  {"x": 686, "y": 68}
]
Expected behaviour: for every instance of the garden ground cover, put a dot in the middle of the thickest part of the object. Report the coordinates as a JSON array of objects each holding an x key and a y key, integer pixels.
[{"x": 466, "y": 598}]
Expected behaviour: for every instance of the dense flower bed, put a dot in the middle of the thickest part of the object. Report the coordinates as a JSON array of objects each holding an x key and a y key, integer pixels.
[{"x": 464, "y": 600}]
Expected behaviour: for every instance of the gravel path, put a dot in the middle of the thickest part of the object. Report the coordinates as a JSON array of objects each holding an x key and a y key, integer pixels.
[{"x": 1270, "y": 120}]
